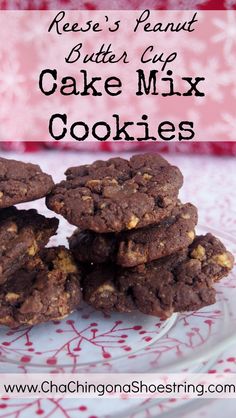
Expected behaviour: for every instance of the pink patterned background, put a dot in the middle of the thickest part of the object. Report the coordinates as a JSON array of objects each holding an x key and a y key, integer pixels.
[
  {"x": 26, "y": 48},
  {"x": 118, "y": 4}
]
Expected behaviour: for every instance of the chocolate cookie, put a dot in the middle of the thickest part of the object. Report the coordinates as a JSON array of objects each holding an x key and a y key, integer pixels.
[
  {"x": 177, "y": 283},
  {"x": 46, "y": 288},
  {"x": 22, "y": 182},
  {"x": 138, "y": 246},
  {"x": 22, "y": 234},
  {"x": 113, "y": 195}
]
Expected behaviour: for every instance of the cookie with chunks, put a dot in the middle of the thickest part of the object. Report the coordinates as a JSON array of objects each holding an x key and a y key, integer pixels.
[
  {"x": 23, "y": 233},
  {"x": 22, "y": 182},
  {"x": 46, "y": 288},
  {"x": 117, "y": 194},
  {"x": 180, "y": 282},
  {"x": 138, "y": 246}
]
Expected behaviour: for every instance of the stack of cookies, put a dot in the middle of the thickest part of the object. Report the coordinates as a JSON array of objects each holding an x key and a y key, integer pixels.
[
  {"x": 37, "y": 284},
  {"x": 135, "y": 240},
  {"x": 135, "y": 247}
]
